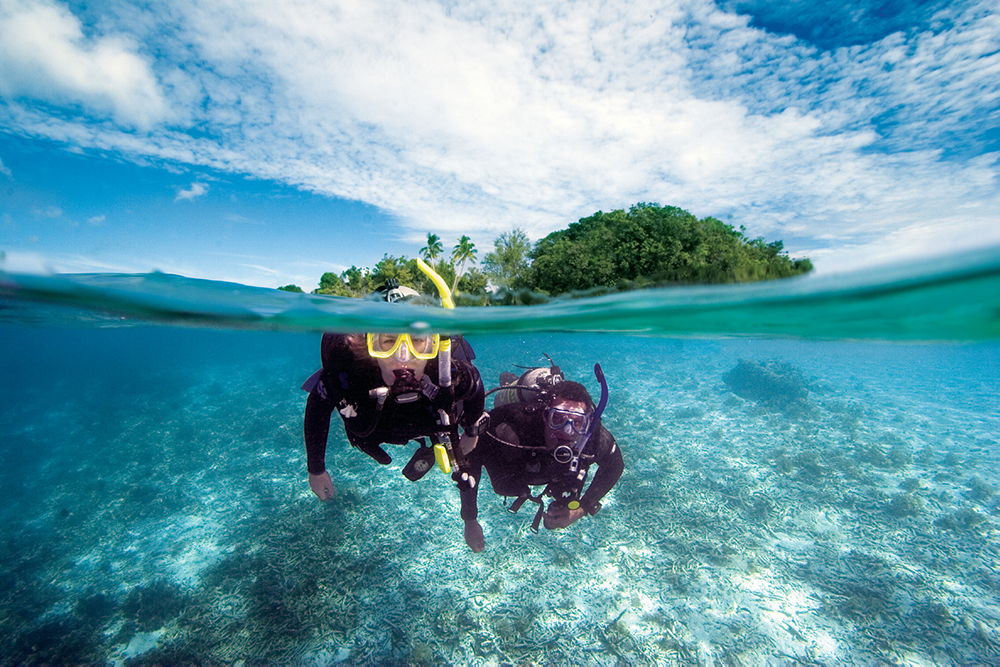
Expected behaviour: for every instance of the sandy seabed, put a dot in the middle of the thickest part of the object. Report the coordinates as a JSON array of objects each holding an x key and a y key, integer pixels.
[{"x": 174, "y": 526}]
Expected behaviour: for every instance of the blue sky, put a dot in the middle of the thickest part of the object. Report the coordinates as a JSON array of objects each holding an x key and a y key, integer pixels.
[{"x": 269, "y": 142}]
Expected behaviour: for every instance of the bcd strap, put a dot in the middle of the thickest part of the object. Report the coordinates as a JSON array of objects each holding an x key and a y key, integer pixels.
[
  {"x": 525, "y": 497},
  {"x": 537, "y": 521},
  {"x": 559, "y": 492},
  {"x": 516, "y": 505}
]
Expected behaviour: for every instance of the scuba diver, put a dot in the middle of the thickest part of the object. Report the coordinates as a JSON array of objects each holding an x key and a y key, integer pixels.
[
  {"x": 543, "y": 430},
  {"x": 393, "y": 388}
]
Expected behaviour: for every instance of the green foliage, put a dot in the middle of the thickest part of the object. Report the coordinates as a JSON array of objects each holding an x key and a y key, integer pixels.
[
  {"x": 650, "y": 244},
  {"x": 654, "y": 244},
  {"x": 433, "y": 249},
  {"x": 507, "y": 266},
  {"x": 462, "y": 254},
  {"x": 359, "y": 283},
  {"x": 291, "y": 288}
]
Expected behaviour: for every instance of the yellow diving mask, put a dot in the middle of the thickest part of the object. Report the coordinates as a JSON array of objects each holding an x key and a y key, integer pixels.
[{"x": 419, "y": 346}]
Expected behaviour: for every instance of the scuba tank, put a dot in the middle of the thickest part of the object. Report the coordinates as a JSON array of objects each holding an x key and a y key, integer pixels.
[{"x": 530, "y": 387}]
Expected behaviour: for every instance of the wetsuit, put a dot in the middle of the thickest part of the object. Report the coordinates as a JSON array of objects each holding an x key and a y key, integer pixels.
[
  {"x": 344, "y": 384},
  {"x": 514, "y": 453}
]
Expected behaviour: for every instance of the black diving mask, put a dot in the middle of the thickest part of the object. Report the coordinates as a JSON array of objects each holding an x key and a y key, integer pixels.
[{"x": 568, "y": 421}]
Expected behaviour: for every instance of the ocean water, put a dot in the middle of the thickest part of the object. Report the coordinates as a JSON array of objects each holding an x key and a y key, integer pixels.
[{"x": 156, "y": 509}]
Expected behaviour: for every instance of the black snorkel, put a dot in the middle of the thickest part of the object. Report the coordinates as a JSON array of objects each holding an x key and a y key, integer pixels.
[{"x": 574, "y": 464}]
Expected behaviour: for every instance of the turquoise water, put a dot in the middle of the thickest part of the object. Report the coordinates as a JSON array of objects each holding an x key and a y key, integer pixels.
[
  {"x": 954, "y": 298},
  {"x": 157, "y": 511}
]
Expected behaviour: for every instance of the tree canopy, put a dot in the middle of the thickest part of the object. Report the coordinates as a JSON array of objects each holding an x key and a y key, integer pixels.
[
  {"x": 357, "y": 282},
  {"x": 508, "y": 266},
  {"x": 433, "y": 249},
  {"x": 646, "y": 245},
  {"x": 653, "y": 244}
]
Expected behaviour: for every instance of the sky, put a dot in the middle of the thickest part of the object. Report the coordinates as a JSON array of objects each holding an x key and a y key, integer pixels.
[{"x": 268, "y": 142}]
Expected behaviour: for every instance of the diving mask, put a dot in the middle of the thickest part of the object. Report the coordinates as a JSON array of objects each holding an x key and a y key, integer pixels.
[
  {"x": 419, "y": 346},
  {"x": 567, "y": 420}
]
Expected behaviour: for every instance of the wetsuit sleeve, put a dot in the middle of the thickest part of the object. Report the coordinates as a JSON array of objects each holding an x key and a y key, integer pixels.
[
  {"x": 471, "y": 392},
  {"x": 323, "y": 399},
  {"x": 484, "y": 455},
  {"x": 609, "y": 470},
  {"x": 316, "y": 431}
]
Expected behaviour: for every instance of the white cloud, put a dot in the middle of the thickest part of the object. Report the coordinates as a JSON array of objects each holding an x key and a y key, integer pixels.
[
  {"x": 196, "y": 190},
  {"x": 96, "y": 220},
  {"x": 262, "y": 269},
  {"x": 474, "y": 118},
  {"x": 5, "y": 170},
  {"x": 46, "y": 56},
  {"x": 48, "y": 212}
]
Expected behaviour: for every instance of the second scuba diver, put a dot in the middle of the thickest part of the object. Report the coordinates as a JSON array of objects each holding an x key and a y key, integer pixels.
[
  {"x": 391, "y": 389},
  {"x": 544, "y": 431}
]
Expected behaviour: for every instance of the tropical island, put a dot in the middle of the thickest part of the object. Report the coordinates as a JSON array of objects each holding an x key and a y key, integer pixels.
[{"x": 648, "y": 245}]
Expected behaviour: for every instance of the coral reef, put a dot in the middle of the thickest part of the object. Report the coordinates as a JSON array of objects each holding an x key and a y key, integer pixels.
[{"x": 774, "y": 384}]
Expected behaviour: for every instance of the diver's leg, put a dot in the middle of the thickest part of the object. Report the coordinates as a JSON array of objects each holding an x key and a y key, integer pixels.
[{"x": 470, "y": 510}]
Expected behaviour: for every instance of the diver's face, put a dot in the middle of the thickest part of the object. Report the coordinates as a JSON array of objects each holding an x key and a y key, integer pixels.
[
  {"x": 402, "y": 357},
  {"x": 572, "y": 414}
]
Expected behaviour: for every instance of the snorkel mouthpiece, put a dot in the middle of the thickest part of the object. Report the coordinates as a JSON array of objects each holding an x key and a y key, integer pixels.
[{"x": 406, "y": 388}]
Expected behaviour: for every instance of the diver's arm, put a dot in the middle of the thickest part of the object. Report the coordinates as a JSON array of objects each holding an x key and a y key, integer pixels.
[
  {"x": 609, "y": 470},
  {"x": 560, "y": 516},
  {"x": 316, "y": 429},
  {"x": 472, "y": 393}
]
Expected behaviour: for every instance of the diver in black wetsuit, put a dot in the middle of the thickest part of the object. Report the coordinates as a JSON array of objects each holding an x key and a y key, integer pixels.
[
  {"x": 387, "y": 390},
  {"x": 538, "y": 442}
]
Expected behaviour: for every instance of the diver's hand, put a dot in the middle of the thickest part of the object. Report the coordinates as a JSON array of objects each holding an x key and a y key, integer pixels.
[
  {"x": 560, "y": 516},
  {"x": 474, "y": 536},
  {"x": 321, "y": 485}
]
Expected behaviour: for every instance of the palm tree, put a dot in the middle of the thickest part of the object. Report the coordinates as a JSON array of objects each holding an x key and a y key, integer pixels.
[
  {"x": 433, "y": 249},
  {"x": 464, "y": 252}
]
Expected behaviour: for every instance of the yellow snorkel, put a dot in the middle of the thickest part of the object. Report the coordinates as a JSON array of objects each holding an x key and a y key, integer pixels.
[
  {"x": 439, "y": 283},
  {"x": 444, "y": 452}
]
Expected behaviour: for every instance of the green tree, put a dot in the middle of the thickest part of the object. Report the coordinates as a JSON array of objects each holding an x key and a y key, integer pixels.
[
  {"x": 330, "y": 283},
  {"x": 433, "y": 249},
  {"x": 646, "y": 245},
  {"x": 353, "y": 282},
  {"x": 402, "y": 269},
  {"x": 357, "y": 282},
  {"x": 462, "y": 254},
  {"x": 507, "y": 266},
  {"x": 649, "y": 244},
  {"x": 291, "y": 288},
  {"x": 473, "y": 281}
]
